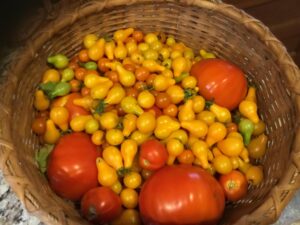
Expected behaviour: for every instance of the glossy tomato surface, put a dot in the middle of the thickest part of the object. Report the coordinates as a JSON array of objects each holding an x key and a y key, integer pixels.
[
  {"x": 181, "y": 195},
  {"x": 235, "y": 185},
  {"x": 101, "y": 205},
  {"x": 220, "y": 81},
  {"x": 71, "y": 168},
  {"x": 153, "y": 155}
]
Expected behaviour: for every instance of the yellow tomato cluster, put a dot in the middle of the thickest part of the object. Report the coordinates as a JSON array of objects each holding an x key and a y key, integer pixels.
[{"x": 145, "y": 91}]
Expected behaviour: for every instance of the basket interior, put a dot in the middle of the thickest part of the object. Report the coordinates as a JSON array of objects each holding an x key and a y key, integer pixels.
[{"x": 198, "y": 28}]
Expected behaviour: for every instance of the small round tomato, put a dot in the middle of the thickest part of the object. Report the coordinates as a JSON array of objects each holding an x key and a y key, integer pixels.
[
  {"x": 255, "y": 175},
  {"x": 39, "y": 125},
  {"x": 101, "y": 64},
  {"x": 162, "y": 100},
  {"x": 138, "y": 35},
  {"x": 113, "y": 76},
  {"x": 142, "y": 73},
  {"x": 80, "y": 73},
  {"x": 146, "y": 122},
  {"x": 133, "y": 92},
  {"x": 220, "y": 81},
  {"x": 234, "y": 185},
  {"x": 171, "y": 110},
  {"x": 153, "y": 155},
  {"x": 231, "y": 127},
  {"x": 128, "y": 217},
  {"x": 146, "y": 173},
  {"x": 129, "y": 198},
  {"x": 155, "y": 110},
  {"x": 222, "y": 164},
  {"x": 186, "y": 157},
  {"x": 145, "y": 99},
  {"x": 83, "y": 55},
  {"x": 132, "y": 180},
  {"x": 101, "y": 205}
]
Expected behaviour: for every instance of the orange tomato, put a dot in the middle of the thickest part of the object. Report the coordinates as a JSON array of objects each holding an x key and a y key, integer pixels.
[
  {"x": 83, "y": 55},
  {"x": 171, "y": 110},
  {"x": 75, "y": 85},
  {"x": 80, "y": 73},
  {"x": 186, "y": 157}
]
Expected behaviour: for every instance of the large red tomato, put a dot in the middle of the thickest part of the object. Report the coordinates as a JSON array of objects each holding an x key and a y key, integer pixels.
[
  {"x": 153, "y": 155},
  {"x": 101, "y": 205},
  {"x": 181, "y": 195},
  {"x": 72, "y": 167},
  {"x": 220, "y": 81}
]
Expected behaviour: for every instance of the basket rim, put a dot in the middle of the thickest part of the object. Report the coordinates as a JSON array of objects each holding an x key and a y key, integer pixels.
[{"x": 290, "y": 181}]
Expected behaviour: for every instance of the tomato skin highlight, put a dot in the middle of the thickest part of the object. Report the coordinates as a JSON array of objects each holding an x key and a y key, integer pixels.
[
  {"x": 153, "y": 155},
  {"x": 220, "y": 81},
  {"x": 71, "y": 168},
  {"x": 234, "y": 184},
  {"x": 181, "y": 195}
]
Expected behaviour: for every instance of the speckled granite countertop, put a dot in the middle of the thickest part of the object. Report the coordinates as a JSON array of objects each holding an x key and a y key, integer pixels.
[{"x": 12, "y": 211}]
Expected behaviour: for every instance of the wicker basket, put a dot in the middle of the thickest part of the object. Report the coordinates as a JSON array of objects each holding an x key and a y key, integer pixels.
[{"x": 222, "y": 29}]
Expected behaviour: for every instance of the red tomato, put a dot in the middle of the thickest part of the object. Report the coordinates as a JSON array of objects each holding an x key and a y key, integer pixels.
[
  {"x": 234, "y": 184},
  {"x": 101, "y": 205},
  {"x": 72, "y": 167},
  {"x": 220, "y": 81},
  {"x": 181, "y": 195},
  {"x": 153, "y": 155}
]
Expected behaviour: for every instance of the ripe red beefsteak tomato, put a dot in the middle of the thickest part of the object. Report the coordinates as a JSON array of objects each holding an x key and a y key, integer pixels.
[
  {"x": 220, "y": 81},
  {"x": 71, "y": 167},
  {"x": 101, "y": 205},
  {"x": 181, "y": 195}
]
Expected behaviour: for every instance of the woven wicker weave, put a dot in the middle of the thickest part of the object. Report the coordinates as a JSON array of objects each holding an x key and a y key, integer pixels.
[{"x": 222, "y": 29}]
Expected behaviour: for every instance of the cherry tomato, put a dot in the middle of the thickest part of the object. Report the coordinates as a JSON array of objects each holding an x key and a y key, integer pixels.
[
  {"x": 146, "y": 173},
  {"x": 73, "y": 64},
  {"x": 83, "y": 55},
  {"x": 80, "y": 73},
  {"x": 138, "y": 35},
  {"x": 75, "y": 85},
  {"x": 100, "y": 205},
  {"x": 39, "y": 125},
  {"x": 234, "y": 185},
  {"x": 128, "y": 217},
  {"x": 142, "y": 73},
  {"x": 150, "y": 79},
  {"x": 178, "y": 194},
  {"x": 113, "y": 76},
  {"x": 71, "y": 168},
  {"x": 133, "y": 92},
  {"x": 101, "y": 64},
  {"x": 186, "y": 157},
  {"x": 132, "y": 180},
  {"x": 85, "y": 91},
  {"x": 153, "y": 155},
  {"x": 155, "y": 110},
  {"x": 162, "y": 100},
  {"x": 129, "y": 67},
  {"x": 129, "y": 198},
  {"x": 220, "y": 81},
  {"x": 171, "y": 110},
  {"x": 255, "y": 175},
  {"x": 231, "y": 127}
]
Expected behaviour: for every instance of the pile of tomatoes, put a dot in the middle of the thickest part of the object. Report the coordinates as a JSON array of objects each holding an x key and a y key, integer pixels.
[{"x": 136, "y": 123}]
